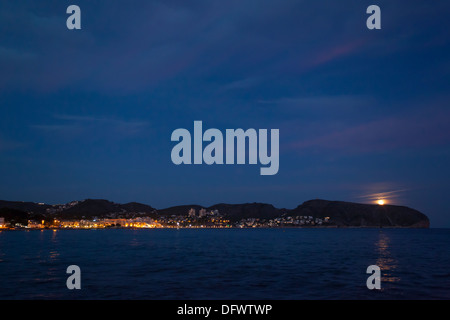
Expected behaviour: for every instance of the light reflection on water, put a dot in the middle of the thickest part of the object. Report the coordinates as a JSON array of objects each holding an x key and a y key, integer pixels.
[
  {"x": 226, "y": 264},
  {"x": 387, "y": 263}
]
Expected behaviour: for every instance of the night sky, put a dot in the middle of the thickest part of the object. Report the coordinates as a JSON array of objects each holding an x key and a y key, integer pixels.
[{"x": 363, "y": 114}]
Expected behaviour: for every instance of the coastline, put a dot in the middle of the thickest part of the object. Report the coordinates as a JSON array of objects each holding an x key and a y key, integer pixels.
[{"x": 211, "y": 228}]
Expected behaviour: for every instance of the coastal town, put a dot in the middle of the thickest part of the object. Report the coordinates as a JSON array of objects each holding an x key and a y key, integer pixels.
[
  {"x": 202, "y": 218},
  {"x": 104, "y": 214}
]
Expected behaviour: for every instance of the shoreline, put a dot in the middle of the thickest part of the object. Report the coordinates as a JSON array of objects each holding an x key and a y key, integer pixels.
[{"x": 209, "y": 228}]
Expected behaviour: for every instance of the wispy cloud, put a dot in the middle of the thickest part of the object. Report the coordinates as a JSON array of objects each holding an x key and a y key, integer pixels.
[
  {"x": 6, "y": 144},
  {"x": 392, "y": 192},
  {"x": 241, "y": 84},
  {"x": 335, "y": 52},
  {"x": 389, "y": 196},
  {"x": 410, "y": 130},
  {"x": 132, "y": 48},
  {"x": 8, "y": 54},
  {"x": 72, "y": 125},
  {"x": 320, "y": 103}
]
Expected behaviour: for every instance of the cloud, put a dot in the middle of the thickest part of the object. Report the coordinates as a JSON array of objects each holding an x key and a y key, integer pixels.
[
  {"x": 241, "y": 84},
  {"x": 395, "y": 193},
  {"x": 126, "y": 48},
  {"x": 13, "y": 54},
  {"x": 413, "y": 129},
  {"x": 390, "y": 196},
  {"x": 6, "y": 144},
  {"x": 75, "y": 125},
  {"x": 335, "y": 52},
  {"x": 320, "y": 103}
]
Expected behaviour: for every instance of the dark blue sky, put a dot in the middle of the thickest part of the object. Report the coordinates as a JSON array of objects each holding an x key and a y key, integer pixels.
[{"x": 89, "y": 113}]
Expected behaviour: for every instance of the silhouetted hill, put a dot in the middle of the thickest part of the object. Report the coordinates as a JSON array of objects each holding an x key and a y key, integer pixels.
[
  {"x": 78, "y": 209},
  {"x": 362, "y": 215},
  {"x": 92, "y": 207},
  {"x": 232, "y": 211},
  {"x": 137, "y": 207},
  {"x": 99, "y": 208},
  {"x": 248, "y": 210},
  {"x": 179, "y": 210},
  {"x": 14, "y": 216},
  {"x": 24, "y": 206},
  {"x": 344, "y": 214}
]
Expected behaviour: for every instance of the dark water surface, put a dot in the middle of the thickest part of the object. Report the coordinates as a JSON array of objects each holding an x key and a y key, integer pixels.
[{"x": 226, "y": 263}]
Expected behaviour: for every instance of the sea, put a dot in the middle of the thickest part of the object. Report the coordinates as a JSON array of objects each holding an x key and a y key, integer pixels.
[{"x": 226, "y": 264}]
